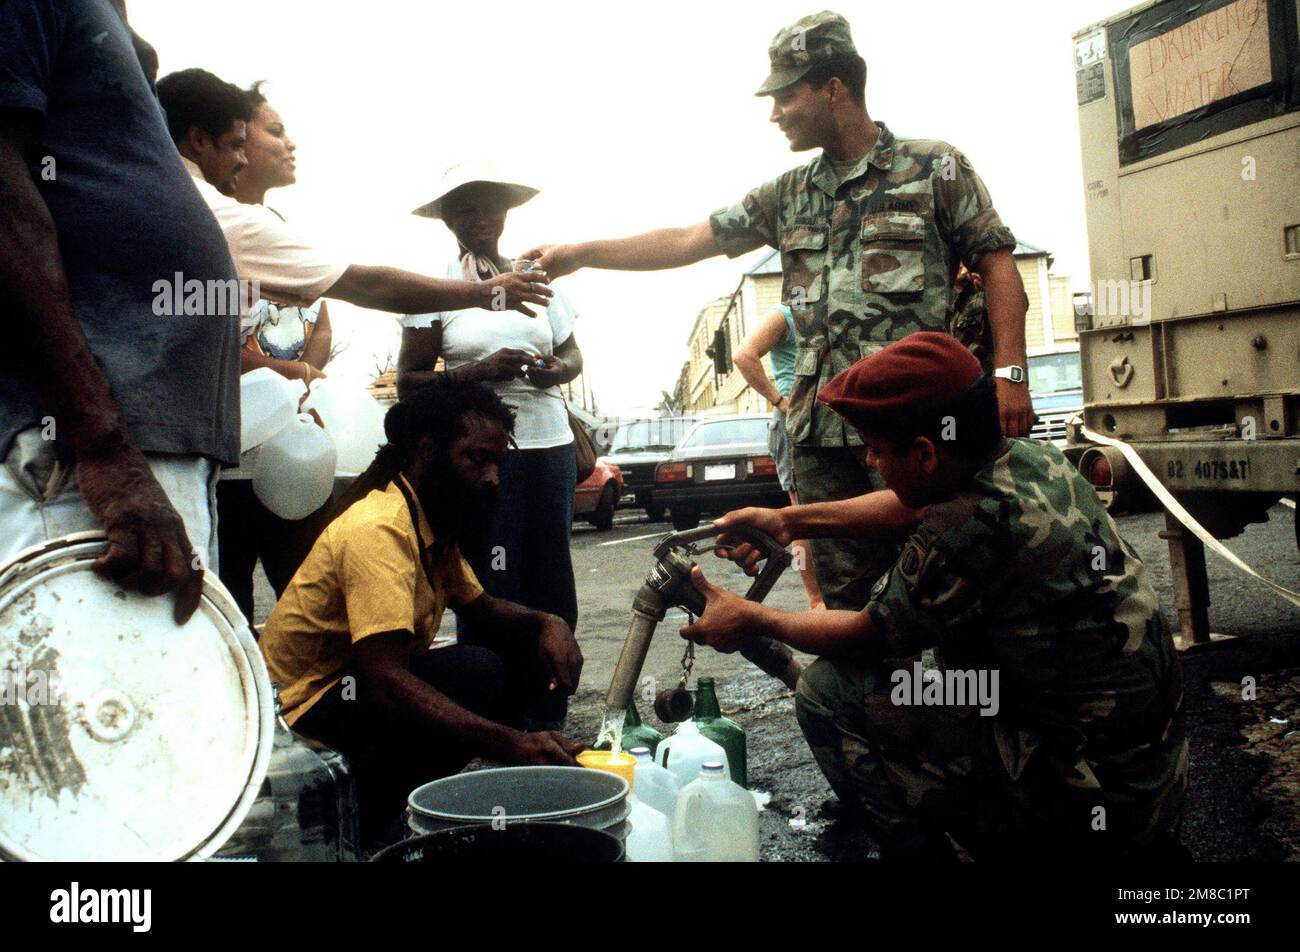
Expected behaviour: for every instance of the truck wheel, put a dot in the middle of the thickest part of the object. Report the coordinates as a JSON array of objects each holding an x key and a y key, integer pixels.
[
  {"x": 602, "y": 517},
  {"x": 656, "y": 512},
  {"x": 685, "y": 517}
]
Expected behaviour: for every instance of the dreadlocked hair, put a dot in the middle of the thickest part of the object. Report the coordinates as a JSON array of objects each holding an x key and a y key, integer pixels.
[{"x": 437, "y": 410}]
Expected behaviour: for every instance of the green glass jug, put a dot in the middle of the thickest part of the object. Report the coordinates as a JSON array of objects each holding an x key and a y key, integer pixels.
[
  {"x": 723, "y": 731},
  {"x": 635, "y": 733}
]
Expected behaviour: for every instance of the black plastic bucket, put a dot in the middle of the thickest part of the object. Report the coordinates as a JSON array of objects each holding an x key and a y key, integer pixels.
[{"x": 515, "y": 843}]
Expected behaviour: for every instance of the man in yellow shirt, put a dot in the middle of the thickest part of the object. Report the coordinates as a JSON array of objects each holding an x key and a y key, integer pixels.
[{"x": 349, "y": 640}]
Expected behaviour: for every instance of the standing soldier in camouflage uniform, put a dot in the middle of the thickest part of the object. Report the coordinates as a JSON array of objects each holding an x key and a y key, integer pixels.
[
  {"x": 1050, "y": 722},
  {"x": 871, "y": 233}
]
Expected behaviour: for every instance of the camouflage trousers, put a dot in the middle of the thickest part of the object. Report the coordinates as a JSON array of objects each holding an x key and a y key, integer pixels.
[
  {"x": 846, "y": 569},
  {"x": 918, "y": 774}
]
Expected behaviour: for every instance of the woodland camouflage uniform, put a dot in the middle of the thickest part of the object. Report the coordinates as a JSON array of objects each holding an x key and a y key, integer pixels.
[
  {"x": 867, "y": 259},
  {"x": 1023, "y": 572}
]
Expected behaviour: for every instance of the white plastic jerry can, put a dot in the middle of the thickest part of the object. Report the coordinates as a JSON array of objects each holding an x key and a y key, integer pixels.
[
  {"x": 352, "y": 417},
  {"x": 294, "y": 473},
  {"x": 653, "y": 785},
  {"x": 267, "y": 404},
  {"x": 716, "y": 820},
  {"x": 686, "y": 752},
  {"x": 650, "y": 840}
]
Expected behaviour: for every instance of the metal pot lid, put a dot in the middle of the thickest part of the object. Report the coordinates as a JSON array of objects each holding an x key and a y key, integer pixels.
[{"x": 123, "y": 736}]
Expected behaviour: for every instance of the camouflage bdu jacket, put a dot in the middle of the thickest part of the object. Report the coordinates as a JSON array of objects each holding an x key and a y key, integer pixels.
[
  {"x": 866, "y": 260},
  {"x": 1024, "y": 572}
]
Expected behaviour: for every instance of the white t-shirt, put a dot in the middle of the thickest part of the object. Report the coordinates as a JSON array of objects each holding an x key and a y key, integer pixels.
[
  {"x": 288, "y": 267},
  {"x": 469, "y": 335}
]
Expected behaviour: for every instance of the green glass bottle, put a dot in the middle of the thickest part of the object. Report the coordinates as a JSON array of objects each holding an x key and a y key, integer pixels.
[
  {"x": 723, "y": 731},
  {"x": 635, "y": 733}
]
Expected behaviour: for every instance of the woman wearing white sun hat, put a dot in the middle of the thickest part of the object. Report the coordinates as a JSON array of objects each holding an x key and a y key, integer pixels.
[{"x": 526, "y": 360}]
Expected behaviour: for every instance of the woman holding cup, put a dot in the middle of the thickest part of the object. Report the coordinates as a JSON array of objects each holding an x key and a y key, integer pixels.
[{"x": 525, "y": 556}]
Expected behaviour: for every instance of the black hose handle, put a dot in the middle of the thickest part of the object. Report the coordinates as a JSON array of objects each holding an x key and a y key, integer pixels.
[
  {"x": 775, "y": 557},
  {"x": 770, "y": 656}
]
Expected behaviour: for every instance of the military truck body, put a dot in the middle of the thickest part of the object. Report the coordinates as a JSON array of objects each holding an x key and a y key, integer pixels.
[{"x": 1189, "y": 117}]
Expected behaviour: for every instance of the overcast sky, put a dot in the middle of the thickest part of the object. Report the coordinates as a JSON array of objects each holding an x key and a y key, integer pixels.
[{"x": 628, "y": 117}]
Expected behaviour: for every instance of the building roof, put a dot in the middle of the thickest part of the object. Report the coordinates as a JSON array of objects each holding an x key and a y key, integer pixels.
[
  {"x": 705, "y": 310},
  {"x": 1025, "y": 249},
  {"x": 770, "y": 263}
]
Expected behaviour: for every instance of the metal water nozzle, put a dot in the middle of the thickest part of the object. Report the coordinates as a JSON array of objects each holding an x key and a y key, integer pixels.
[
  {"x": 669, "y": 583},
  {"x": 674, "y": 704}
]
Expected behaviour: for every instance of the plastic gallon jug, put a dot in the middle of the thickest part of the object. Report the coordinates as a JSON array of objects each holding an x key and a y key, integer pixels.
[
  {"x": 686, "y": 751},
  {"x": 723, "y": 731},
  {"x": 294, "y": 473},
  {"x": 653, "y": 785},
  {"x": 650, "y": 838},
  {"x": 716, "y": 820},
  {"x": 267, "y": 404},
  {"x": 353, "y": 418}
]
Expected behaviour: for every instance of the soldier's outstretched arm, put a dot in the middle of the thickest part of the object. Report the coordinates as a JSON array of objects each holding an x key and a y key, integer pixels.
[
  {"x": 879, "y": 516},
  {"x": 651, "y": 251}
]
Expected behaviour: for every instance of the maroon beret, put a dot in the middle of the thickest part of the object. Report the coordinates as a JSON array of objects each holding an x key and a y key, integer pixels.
[{"x": 923, "y": 371}]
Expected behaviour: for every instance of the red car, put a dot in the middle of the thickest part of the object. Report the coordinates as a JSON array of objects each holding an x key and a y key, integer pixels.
[{"x": 596, "y": 497}]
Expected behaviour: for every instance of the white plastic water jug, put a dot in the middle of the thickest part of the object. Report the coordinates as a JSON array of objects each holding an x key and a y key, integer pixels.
[
  {"x": 267, "y": 404},
  {"x": 294, "y": 473},
  {"x": 353, "y": 417},
  {"x": 716, "y": 820},
  {"x": 653, "y": 785},
  {"x": 650, "y": 839},
  {"x": 686, "y": 751}
]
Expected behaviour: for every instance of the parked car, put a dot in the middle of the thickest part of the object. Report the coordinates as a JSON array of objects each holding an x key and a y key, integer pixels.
[
  {"x": 720, "y": 464},
  {"x": 596, "y": 497},
  {"x": 638, "y": 447},
  {"x": 1056, "y": 388}
]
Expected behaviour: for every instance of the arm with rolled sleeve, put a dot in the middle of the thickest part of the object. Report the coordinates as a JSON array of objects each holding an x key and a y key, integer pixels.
[
  {"x": 749, "y": 224},
  {"x": 972, "y": 228},
  {"x": 964, "y": 212}
]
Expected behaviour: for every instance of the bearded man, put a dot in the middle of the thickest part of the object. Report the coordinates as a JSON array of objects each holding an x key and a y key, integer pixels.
[{"x": 350, "y": 640}]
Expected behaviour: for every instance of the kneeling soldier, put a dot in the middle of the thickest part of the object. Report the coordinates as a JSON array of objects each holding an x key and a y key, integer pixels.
[{"x": 1011, "y": 684}]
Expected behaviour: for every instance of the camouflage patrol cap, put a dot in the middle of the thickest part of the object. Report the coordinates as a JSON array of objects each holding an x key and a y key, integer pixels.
[{"x": 804, "y": 44}]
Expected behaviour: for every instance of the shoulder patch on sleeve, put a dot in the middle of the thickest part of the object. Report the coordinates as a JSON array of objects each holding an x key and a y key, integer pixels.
[{"x": 912, "y": 559}]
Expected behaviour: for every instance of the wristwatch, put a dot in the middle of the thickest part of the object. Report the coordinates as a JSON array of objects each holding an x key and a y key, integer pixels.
[{"x": 1013, "y": 373}]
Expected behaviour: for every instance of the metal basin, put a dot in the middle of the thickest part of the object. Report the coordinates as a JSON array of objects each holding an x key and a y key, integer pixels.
[
  {"x": 523, "y": 843},
  {"x": 511, "y": 795}
]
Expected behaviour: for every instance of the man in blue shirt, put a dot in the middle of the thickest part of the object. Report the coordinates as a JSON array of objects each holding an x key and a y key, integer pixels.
[{"x": 112, "y": 415}]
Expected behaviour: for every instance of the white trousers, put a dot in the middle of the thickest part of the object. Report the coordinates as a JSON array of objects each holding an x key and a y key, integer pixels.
[{"x": 40, "y": 499}]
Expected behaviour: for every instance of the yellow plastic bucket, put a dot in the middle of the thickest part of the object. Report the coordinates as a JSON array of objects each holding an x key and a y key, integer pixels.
[{"x": 623, "y": 765}]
